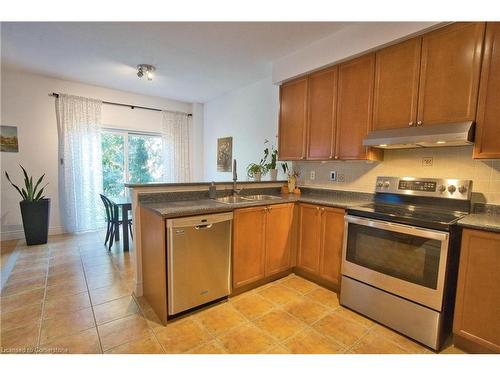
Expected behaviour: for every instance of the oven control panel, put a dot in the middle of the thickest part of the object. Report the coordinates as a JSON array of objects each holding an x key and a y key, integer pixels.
[
  {"x": 417, "y": 185},
  {"x": 430, "y": 187}
]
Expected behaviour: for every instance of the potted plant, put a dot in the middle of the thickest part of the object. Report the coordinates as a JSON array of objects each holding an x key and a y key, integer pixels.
[
  {"x": 271, "y": 166},
  {"x": 256, "y": 171},
  {"x": 35, "y": 209}
]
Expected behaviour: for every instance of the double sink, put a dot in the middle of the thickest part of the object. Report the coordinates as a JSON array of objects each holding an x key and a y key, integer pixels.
[{"x": 247, "y": 198}]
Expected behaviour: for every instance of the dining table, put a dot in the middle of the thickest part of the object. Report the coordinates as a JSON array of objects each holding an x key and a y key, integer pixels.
[{"x": 125, "y": 205}]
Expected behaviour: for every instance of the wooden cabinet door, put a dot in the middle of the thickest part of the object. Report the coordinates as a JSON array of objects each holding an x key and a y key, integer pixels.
[
  {"x": 487, "y": 144},
  {"x": 332, "y": 235},
  {"x": 292, "y": 122},
  {"x": 309, "y": 238},
  {"x": 354, "y": 107},
  {"x": 449, "y": 77},
  {"x": 397, "y": 70},
  {"x": 322, "y": 98},
  {"x": 249, "y": 225},
  {"x": 477, "y": 308},
  {"x": 278, "y": 238}
]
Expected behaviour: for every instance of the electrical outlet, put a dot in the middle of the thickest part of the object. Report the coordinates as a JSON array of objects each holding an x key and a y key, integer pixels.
[
  {"x": 341, "y": 177},
  {"x": 333, "y": 176},
  {"x": 312, "y": 175},
  {"x": 427, "y": 162}
]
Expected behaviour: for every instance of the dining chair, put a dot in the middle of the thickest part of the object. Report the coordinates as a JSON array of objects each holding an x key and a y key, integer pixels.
[{"x": 113, "y": 221}]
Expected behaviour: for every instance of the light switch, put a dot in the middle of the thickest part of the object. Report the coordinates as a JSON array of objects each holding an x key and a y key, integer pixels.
[{"x": 333, "y": 176}]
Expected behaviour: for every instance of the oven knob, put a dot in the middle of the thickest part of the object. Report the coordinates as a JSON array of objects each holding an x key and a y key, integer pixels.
[
  {"x": 379, "y": 184},
  {"x": 462, "y": 189},
  {"x": 452, "y": 189},
  {"x": 441, "y": 188},
  {"x": 386, "y": 184}
]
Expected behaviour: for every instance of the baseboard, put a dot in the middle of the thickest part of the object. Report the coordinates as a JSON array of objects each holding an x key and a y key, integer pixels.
[
  {"x": 256, "y": 284},
  {"x": 6, "y": 268},
  {"x": 138, "y": 289},
  {"x": 19, "y": 234},
  {"x": 316, "y": 279}
]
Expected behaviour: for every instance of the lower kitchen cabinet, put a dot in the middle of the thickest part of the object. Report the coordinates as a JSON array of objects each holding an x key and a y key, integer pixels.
[
  {"x": 332, "y": 225},
  {"x": 321, "y": 231},
  {"x": 262, "y": 242},
  {"x": 279, "y": 237},
  {"x": 249, "y": 225},
  {"x": 309, "y": 238},
  {"x": 476, "y": 324}
]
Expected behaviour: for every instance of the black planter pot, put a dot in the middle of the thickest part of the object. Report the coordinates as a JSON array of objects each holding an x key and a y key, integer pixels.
[{"x": 35, "y": 221}]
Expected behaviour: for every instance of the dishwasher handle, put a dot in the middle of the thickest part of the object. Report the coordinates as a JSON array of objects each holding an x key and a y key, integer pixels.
[
  {"x": 203, "y": 226},
  {"x": 199, "y": 221}
]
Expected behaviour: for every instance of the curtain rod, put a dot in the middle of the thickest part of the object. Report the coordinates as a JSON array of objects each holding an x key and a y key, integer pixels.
[{"x": 55, "y": 94}]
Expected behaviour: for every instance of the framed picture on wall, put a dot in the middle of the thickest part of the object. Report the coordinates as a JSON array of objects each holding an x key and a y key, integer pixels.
[
  {"x": 8, "y": 142},
  {"x": 224, "y": 154}
]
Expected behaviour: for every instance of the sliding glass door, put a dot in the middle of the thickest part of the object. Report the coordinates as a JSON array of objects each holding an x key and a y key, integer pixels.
[{"x": 130, "y": 157}]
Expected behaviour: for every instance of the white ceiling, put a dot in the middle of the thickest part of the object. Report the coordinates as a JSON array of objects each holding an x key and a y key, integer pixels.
[{"x": 195, "y": 62}]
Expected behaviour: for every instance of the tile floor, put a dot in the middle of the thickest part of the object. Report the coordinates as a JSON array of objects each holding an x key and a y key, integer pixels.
[{"x": 72, "y": 296}]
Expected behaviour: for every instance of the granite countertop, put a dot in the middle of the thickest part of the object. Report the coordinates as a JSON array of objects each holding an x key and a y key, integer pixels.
[
  {"x": 484, "y": 217},
  {"x": 170, "y": 209},
  {"x": 202, "y": 183}
]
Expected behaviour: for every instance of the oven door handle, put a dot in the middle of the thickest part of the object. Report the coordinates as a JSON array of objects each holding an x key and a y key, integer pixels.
[{"x": 395, "y": 227}]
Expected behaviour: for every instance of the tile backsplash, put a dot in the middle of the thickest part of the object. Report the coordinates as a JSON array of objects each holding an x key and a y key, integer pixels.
[{"x": 447, "y": 162}]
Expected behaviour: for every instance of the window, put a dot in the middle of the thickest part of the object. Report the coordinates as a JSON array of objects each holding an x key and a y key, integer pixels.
[{"x": 130, "y": 157}]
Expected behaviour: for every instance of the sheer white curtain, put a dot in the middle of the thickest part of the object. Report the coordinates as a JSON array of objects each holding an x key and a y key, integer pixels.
[
  {"x": 176, "y": 130},
  {"x": 80, "y": 167}
]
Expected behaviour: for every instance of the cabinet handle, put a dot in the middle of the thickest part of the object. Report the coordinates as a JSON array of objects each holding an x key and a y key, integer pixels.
[
  {"x": 336, "y": 157},
  {"x": 410, "y": 123},
  {"x": 322, "y": 209},
  {"x": 419, "y": 123}
]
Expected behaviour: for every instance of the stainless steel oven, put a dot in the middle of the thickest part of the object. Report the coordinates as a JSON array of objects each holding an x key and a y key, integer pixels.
[
  {"x": 400, "y": 259},
  {"x": 400, "y": 255}
]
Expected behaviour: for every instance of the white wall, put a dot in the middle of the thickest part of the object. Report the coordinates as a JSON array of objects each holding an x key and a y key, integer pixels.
[
  {"x": 25, "y": 103},
  {"x": 346, "y": 43},
  {"x": 249, "y": 115},
  {"x": 196, "y": 151}
]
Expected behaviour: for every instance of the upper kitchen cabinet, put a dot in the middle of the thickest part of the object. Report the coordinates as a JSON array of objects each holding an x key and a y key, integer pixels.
[
  {"x": 488, "y": 116},
  {"x": 449, "y": 74},
  {"x": 293, "y": 118},
  {"x": 322, "y": 92},
  {"x": 354, "y": 108},
  {"x": 397, "y": 70}
]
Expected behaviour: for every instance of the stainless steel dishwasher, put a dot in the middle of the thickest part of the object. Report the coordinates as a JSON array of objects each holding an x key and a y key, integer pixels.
[{"x": 198, "y": 260}]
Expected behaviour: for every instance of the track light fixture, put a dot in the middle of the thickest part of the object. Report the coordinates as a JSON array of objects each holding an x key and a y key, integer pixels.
[{"x": 145, "y": 70}]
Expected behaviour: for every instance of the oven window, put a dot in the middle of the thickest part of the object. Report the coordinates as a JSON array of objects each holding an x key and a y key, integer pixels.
[{"x": 404, "y": 256}]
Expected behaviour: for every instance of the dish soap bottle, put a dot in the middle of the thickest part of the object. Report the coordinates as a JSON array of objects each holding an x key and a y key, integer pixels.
[{"x": 212, "y": 191}]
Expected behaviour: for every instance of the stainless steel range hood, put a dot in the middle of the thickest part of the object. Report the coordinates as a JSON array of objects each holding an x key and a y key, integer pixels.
[{"x": 456, "y": 134}]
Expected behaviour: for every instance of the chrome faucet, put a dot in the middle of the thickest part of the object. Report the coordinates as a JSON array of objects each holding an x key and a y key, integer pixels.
[{"x": 235, "y": 178}]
